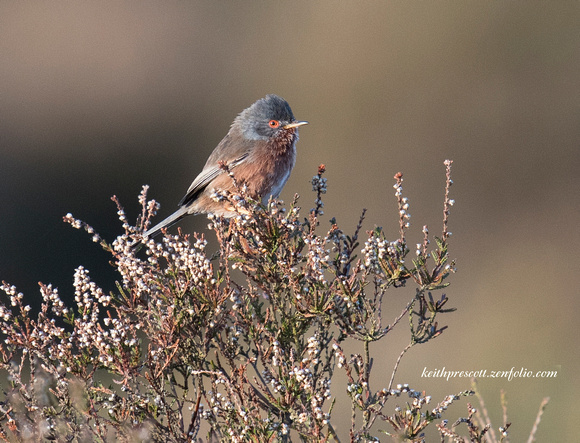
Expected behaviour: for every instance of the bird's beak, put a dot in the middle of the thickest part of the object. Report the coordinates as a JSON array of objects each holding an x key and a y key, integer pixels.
[{"x": 294, "y": 125}]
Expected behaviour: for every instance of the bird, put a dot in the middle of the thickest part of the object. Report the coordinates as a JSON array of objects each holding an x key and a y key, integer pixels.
[{"x": 259, "y": 150}]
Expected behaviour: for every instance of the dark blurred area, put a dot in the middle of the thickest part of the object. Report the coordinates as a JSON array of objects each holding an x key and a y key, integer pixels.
[{"x": 99, "y": 98}]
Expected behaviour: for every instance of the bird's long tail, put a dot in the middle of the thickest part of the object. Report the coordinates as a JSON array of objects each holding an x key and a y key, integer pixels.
[{"x": 172, "y": 219}]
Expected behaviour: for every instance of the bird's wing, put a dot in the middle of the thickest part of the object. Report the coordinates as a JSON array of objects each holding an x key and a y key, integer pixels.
[{"x": 209, "y": 173}]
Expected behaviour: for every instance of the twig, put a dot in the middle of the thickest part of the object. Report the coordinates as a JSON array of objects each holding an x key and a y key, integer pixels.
[
  {"x": 397, "y": 365},
  {"x": 543, "y": 405},
  {"x": 485, "y": 420},
  {"x": 447, "y": 202}
]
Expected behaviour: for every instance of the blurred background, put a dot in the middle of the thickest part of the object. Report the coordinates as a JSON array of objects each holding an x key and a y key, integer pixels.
[{"x": 99, "y": 98}]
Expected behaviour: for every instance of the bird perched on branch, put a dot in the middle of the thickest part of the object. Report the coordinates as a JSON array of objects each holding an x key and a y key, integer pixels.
[{"x": 259, "y": 151}]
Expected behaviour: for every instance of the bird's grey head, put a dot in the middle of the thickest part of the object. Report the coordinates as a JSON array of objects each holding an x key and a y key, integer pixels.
[{"x": 266, "y": 118}]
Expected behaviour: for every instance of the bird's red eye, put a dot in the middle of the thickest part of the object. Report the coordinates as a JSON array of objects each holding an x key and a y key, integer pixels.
[{"x": 274, "y": 123}]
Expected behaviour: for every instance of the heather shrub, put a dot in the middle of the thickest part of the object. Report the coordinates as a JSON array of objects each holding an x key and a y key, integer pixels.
[{"x": 237, "y": 343}]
